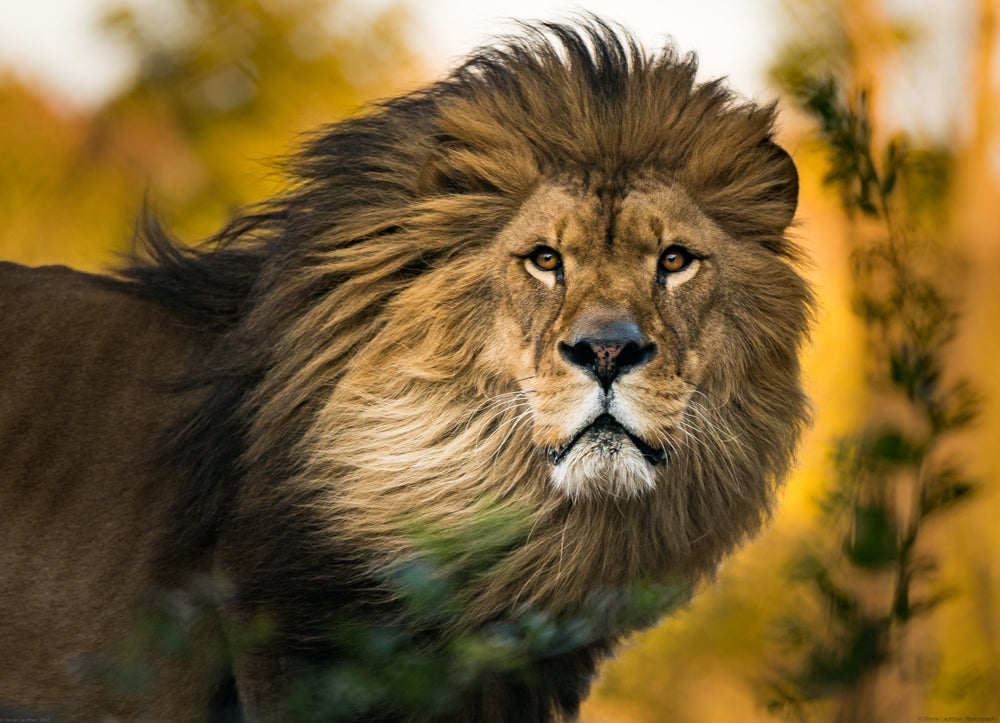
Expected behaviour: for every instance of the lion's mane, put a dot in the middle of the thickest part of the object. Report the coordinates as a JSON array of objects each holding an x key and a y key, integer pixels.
[{"x": 344, "y": 324}]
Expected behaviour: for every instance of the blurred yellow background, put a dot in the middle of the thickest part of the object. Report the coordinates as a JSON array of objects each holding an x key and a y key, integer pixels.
[{"x": 219, "y": 95}]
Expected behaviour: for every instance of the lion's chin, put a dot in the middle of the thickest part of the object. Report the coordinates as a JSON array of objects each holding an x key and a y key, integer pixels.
[
  {"x": 603, "y": 461},
  {"x": 592, "y": 469}
]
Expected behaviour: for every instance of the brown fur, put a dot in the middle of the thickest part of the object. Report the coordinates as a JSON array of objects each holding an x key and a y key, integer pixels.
[
  {"x": 376, "y": 347},
  {"x": 78, "y": 420}
]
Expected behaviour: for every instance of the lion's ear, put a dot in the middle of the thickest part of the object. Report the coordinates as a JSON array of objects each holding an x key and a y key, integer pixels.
[{"x": 783, "y": 194}]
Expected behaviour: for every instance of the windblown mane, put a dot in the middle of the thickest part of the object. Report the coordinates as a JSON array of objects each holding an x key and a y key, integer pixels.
[{"x": 345, "y": 322}]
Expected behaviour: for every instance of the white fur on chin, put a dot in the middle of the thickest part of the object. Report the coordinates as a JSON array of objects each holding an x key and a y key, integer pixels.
[{"x": 602, "y": 466}]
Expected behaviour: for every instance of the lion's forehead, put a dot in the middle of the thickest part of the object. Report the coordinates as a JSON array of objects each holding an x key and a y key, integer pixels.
[{"x": 592, "y": 226}]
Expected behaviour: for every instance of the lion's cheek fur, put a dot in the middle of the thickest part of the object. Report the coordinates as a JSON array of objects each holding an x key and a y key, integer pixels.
[{"x": 390, "y": 449}]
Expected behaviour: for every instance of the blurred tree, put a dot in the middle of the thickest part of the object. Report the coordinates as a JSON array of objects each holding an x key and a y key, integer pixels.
[
  {"x": 870, "y": 658},
  {"x": 55, "y": 202},
  {"x": 220, "y": 90},
  {"x": 893, "y": 475},
  {"x": 228, "y": 83}
]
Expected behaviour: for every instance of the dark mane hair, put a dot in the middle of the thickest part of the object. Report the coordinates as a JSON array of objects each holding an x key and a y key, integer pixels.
[{"x": 555, "y": 92}]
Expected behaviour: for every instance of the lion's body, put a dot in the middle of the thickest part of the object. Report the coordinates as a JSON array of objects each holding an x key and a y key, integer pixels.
[
  {"x": 556, "y": 285},
  {"x": 78, "y": 415}
]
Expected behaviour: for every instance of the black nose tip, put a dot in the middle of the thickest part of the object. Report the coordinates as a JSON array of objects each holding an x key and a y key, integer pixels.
[{"x": 613, "y": 351}]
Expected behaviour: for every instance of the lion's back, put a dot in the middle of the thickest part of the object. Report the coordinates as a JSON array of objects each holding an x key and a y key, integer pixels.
[
  {"x": 81, "y": 415},
  {"x": 79, "y": 362}
]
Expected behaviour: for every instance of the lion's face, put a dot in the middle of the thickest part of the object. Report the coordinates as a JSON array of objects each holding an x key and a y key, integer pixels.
[
  {"x": 570, "y": 287},
  {"x": 614, "y": 310}
]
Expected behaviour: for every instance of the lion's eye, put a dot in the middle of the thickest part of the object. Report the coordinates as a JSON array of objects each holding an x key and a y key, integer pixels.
[
  {"x": 546, "y": 259},
  {"x": 675, "y": 258}
]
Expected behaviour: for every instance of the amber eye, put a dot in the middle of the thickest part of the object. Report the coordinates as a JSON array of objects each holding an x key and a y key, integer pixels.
[
  {"x": 546, "y": 259},
  {"x": 675, "y": 258}
]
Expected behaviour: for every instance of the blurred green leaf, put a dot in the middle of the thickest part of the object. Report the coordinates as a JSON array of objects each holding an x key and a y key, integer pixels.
[
  {"x": 945, "y": 492},
  {"x": 874, "y": 541}
]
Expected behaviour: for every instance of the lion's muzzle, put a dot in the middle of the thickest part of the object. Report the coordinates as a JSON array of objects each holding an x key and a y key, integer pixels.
[
  {"x": 608, "y": 431},
  {"x": 608, "y": 350},
  {"x": 605, "y": 458}
]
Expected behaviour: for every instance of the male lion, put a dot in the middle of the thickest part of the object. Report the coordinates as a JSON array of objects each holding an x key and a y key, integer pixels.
[{"x": 554, "y": 287}]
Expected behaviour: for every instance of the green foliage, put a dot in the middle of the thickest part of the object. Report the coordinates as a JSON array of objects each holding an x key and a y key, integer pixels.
[
  {"x": 892, "y": 478},
  {"x": 409, "y": 667},
  {"x": 173, "y": 629},
  {"x": 238, "y": 58},
  {"x": 875, "y": 539},
  {"x": 416, "y": 662}
]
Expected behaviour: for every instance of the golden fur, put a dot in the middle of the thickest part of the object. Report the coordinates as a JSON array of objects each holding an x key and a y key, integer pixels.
[{"x": 377, "y": 346}]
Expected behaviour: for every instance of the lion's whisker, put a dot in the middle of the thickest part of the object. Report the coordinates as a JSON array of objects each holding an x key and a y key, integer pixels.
[{"x": 726, "y": 452}]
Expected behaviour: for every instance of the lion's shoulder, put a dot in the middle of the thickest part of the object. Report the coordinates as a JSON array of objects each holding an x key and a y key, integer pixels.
[
  {"x": 71, "y": 326},
  {"x": 82, "y": 356},
  {"x": 85, "y": 404}
]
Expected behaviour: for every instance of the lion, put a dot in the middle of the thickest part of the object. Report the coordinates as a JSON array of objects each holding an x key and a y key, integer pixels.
[{"x": 558, "y": 284}]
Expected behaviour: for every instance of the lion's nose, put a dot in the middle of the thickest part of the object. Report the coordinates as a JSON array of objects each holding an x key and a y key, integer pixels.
[{"x": 610, "y": 351}]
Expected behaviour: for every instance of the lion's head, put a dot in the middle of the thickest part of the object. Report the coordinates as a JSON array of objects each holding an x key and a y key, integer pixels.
[
  {"x": 620, "y": 318},
  {"x": 559, "y": 279}
]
